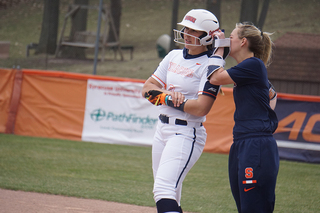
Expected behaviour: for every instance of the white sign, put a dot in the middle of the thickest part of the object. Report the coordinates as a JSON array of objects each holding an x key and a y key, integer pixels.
[{"x": 117, "y": 113}]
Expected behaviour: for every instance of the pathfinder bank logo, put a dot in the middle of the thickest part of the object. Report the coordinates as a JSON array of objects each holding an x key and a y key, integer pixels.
[{"x": 100, "y": 115}]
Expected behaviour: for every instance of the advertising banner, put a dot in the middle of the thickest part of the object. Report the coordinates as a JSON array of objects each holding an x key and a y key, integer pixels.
[
  {"x": 106, "y": 109},
  {"x": 298, "y": 133},
  {"x": 116, "y": 112}
]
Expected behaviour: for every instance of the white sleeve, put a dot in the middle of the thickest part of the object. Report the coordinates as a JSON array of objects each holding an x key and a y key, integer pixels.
[{"x": 160, "y": 74}]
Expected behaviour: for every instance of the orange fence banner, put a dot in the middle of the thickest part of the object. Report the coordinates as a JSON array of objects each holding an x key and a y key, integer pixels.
[
  {"x": 51, "y": 107},
  {"x": 14, "y": 103},
  {"x": 219, "y": 123},
  {"x": 53, "y": 104},
  {"x": 6, "y": 87}
]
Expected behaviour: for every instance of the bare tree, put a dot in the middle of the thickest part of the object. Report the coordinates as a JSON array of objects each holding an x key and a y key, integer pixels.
[
  {"x": 250, "y": 9},
  {"x": 214, "y": 7},
  {"x": 263, "y": 13},
  {"x": 174, "y": 20},
  {"x": 78, "y": 23},
  {"x": 49, "y": 30},
  {"x": 115, "y": 8}
]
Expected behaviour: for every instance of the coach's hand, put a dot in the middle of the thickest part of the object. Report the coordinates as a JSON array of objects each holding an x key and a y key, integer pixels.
[{"x": 220, "y": 44}]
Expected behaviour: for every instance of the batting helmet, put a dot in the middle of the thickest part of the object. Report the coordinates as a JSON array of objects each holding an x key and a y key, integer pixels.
[{"x": 200, "y": 20}]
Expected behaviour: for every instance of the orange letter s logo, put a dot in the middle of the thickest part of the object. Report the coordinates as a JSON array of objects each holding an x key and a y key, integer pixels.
[{"x": 249, "y": 172}]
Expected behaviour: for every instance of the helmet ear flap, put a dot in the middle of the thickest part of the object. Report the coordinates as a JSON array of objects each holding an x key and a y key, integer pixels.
[{"x": 182, "y": 32}]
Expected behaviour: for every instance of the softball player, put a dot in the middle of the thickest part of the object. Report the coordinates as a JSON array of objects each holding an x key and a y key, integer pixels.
[
  {"x": 253, "y": 157},
  {"x": 180, "y": 88}
]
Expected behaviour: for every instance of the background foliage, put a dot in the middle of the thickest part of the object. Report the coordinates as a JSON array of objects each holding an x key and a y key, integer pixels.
[{"x": 142, "y": 22}]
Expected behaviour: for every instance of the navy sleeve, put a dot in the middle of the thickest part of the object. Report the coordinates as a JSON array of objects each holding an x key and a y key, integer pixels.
[{"x": 246, "y": 72}]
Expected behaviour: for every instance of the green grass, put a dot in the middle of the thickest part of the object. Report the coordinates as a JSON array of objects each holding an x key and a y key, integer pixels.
[
  {"x": 89, "y": 170},
  {"x": 123, "y": 174},
  {"x": 142, "y": 22}
]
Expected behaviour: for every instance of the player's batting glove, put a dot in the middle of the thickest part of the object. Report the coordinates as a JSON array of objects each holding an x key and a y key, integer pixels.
[
  {"x": 156, "y": 97},
  {"x": 159, "y": 98},
  {"x": 215, "y": 62}
]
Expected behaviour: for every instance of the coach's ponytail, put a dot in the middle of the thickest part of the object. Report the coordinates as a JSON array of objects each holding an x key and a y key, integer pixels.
[
  {"x": 267, "y": 48},
  {"x": 259, "y": 42}
]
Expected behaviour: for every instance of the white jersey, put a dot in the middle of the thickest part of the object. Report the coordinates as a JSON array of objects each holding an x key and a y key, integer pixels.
[{"x": 181, "y": 72}]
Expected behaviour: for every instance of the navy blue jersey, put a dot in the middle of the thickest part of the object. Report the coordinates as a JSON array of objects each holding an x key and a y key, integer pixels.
[{"x": 253, "y": 115}]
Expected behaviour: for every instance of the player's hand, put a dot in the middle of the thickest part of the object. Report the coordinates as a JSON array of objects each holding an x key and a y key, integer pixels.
[
  {"x": 177, "y": 98},
  {"x": 156, "y": 97}
]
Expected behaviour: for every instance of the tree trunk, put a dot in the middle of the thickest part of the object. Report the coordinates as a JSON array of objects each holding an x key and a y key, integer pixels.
[
  {"x": 115, "y": 9},
  {"x": 214, "y": 7},
  {"x": 78, "y": 23},
  {"x": 249, "y": 11},
  {"x": 263, "y": 13},
  {"x": 174, "y": 20},
  {"x": 49, "y": 29}
]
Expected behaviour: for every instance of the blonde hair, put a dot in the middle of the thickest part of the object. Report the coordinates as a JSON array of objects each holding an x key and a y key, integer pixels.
[{"x": 260, "y": 42}]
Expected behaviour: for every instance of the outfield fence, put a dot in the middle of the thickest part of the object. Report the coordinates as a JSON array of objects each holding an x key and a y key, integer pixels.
[{"x": 103, "y": 109}]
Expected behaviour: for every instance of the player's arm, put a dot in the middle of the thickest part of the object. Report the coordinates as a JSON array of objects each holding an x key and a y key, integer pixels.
[
  {"x": 152, "y": 90},
  {"x": 200, "y": 106},
  {"x": 206, "y": 97},
  {"x": 197, "y": 107},
  {"x": 151, "y": 84}
]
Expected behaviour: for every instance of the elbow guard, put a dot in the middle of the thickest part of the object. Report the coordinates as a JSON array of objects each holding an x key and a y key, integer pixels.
[{"x": 215, "y": 62}]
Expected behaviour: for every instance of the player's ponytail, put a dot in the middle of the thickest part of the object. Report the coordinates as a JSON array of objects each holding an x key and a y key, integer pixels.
[{"x": 259, "y": 42}]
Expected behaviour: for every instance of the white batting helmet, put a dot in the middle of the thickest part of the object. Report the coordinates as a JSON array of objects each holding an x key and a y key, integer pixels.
[{"x": 200, "y": 20}]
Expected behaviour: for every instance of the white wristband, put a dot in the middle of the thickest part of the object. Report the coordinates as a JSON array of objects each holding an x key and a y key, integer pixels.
[{"x": 222, "y": 42}]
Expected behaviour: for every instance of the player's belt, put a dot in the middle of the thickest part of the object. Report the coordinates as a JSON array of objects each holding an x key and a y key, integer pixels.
[{"x": 167, "y": 120}]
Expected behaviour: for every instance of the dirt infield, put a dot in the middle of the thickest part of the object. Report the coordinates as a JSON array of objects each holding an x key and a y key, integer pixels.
[{"x": 31, "y": 202}]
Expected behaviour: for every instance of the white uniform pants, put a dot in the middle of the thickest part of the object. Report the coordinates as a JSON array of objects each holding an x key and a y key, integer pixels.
[{"x": 175, "y": 150}]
